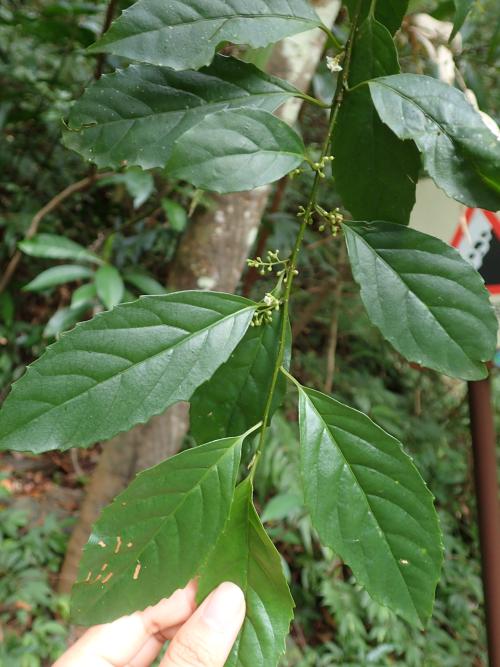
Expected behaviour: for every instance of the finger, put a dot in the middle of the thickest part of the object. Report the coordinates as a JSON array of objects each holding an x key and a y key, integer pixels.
[
  {"x": 119, "y": 642},
  {"x": 147, "y": 654},
  {"x": 152, "y": 648},
  {"x": 206, "y": 639}
]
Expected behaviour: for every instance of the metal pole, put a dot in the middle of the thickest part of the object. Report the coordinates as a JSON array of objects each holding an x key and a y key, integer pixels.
[{"x": 488, "y": 508}]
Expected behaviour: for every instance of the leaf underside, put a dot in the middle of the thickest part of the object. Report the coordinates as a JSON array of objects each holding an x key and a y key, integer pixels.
[
  {"x": 425, "y": 299},
  {"x": 184, "y": 34},
  {"x": 370, "y": 505},
  {"x": 155, "y": 535},
  {"x": 121, "y": 368},
  {"x": 245, "y": 555}
]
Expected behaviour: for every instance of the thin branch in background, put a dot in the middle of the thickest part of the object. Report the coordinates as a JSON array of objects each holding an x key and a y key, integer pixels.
[
  {"x": 300, "y": 323},
  {"x": 101, "y": 58},
  {"x": 53, "y": 204},
  {"x": 79, "y": 472},
  {"x": 334, "y": 324}
]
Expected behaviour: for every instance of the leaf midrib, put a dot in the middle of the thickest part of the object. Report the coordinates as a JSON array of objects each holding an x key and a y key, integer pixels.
[
  {"x": 259, "y": 151},
  {"x": 225, "y": 18},
  {"x": 125, "y": 370},
  {"x": 246, "y": 575},
  {"x": 427, "y": 308},
  {"x": 353, "y": 474},
  {"x": 458, "y": 146},
  {"x": 185, "y": 112}
]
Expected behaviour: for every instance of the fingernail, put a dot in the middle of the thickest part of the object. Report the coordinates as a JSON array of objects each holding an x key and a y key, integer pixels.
[{"x": 223, "y": 606}]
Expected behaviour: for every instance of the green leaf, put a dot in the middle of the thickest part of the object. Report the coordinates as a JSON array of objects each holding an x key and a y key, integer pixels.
[
  {"x": 7, "y": 308},
  {"x": 462, "y": 9},
  {"x": 370, "y": 505},
  {"x": 389, "y": 13},
  {"x": 425, "y": 299},
  {"x": 177, "y": 216},
  {"x": 85, "y": 294},
  {"x": 380, "y": 182},
  {"x": 138, "y": 113},
  {"x": 145, "y": 283},
  {"x": 245, "y": 555},
  {"x": 460, "y": 153},
  {"x": 58, "y": 275},
  {"x": 155, "y": 535},
  {"x": 184, "y": 34},
  {"x": 121, "y": 368},
  {"x": 235, "y": 150},
  {"x": 109, "y": 286},
  {"x": 235, "y": 396},
  {"x": 139, "y": 184},
  {"x": 52, "y": 246},
  {"x": 64, "y": 319},
  {"x": 282, "y": 506}
]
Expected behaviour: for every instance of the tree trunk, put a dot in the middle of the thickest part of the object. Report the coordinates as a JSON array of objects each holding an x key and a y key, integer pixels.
[{"x": 211, "y": 255}]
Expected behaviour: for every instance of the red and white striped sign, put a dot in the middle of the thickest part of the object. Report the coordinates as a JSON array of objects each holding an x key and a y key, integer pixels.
[{"x": 478, "y": 241}]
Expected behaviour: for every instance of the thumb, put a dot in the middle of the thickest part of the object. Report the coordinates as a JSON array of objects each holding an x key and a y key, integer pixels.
[{"x": 207, "y": 638}]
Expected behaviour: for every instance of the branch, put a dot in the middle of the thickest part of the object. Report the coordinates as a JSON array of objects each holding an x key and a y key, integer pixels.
[
  {"x": 306, "y": 219},
  {"x": 54, "y": 203},
  {"x": 110, "y": 12},
  {"x": 308, "y": 313}
]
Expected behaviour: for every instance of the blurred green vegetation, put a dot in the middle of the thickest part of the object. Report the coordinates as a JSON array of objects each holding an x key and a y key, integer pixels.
[{"x": 33, "y": 618}]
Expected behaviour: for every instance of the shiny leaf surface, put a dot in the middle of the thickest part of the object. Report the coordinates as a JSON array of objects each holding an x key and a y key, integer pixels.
[
  {"x": 425, "y": 299},
  {"x": 460, "y": 153},
  {"x": 121, "y": 368},
  {"x": 375, "y": 172},
  {"x": 370, "y": 505},
  {"x": 235, "y": 150},
  {"x": 245, "y": 555},
  {"x": 184, "y": 34},
  {"x": 137, "y": 114},
  {"x": 154, "y": 536},
  {"x": 235, "y": 396}
]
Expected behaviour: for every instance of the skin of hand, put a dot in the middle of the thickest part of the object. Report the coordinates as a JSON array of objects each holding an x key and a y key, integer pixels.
[{"x": 201, "y": 637}]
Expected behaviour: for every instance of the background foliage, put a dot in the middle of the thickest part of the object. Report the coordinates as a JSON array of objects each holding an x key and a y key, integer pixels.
[{"x": 132, "y": 220}]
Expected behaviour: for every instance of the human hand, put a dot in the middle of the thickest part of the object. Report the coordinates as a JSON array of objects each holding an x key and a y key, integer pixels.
[{"x": 201, "y": 637}]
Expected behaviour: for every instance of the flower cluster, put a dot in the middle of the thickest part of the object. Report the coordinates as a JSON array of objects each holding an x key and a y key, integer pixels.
[
  {"x": 332, "y": 219},
  {"x": 264, "y": 313},
  {"x": 267, "y": 266}
]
